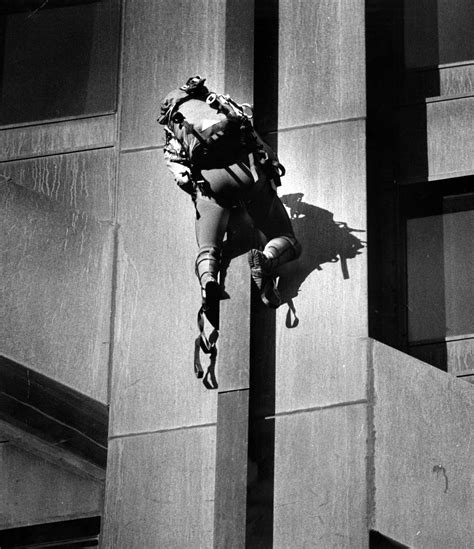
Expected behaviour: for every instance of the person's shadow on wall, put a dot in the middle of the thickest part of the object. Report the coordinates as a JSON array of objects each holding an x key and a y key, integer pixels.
[{"x": 323, "y": 240}]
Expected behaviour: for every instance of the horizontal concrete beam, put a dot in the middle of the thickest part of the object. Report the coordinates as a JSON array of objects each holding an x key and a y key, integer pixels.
[{"x": 55, "y": 415}]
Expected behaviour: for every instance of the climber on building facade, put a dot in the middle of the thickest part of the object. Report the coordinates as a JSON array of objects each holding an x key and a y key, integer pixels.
[{"x": 216, "y": 156}]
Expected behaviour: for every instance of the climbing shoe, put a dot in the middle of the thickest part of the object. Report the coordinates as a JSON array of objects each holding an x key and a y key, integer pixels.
[
  {"x": 211, "y": 293},
  {"x": 261, "y": 271}
]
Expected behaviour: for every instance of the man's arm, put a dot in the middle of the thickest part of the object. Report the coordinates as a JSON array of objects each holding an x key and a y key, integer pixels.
[{"x": 178, "y": 164}]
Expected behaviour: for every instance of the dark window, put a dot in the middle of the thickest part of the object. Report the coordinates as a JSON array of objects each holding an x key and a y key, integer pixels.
[
  {"x": 58, "y": 59},
  {"x": 438, "y": 32},
  {"x": 440, "y": 274}
]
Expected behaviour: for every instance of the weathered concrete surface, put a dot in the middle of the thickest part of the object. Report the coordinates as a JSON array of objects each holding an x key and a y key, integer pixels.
[
  {"x": 233, "y": 360},
  {"x": 316, "y": 360},
  {"x": 321, "y": 52},
  {"x": 57, "y": 137},
  {"x": 81, "y": 181},
  {"x": 436, "y": 139},
  {"x": 321, "y": 361},
  {"x": 158, "y": 297},
  {"x": 230, "y": 510},
  {"x": 316, "y": 363},
  {"x": 213, "y": 39},
  {"x": 234, "y": 329},
  {"x": 160, "y": 490},
  {"x": 56, "y": 287},
  {"x": 153, "y": 386},
  {"x": 456, "y": 355},
  {"x": 443, "y": 81},
  {"x": 165, "y": 43},
  {"x": 320, "y": 491},
  {"x": 423, "y": 428},
  {"x": 34, "y": 491}
]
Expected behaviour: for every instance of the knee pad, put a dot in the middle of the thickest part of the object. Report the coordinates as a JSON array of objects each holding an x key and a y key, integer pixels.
[{"x": 286, "y": 248}]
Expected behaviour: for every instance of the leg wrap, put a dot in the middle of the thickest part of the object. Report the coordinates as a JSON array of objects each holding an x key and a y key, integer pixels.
[
  {"x": 207, "y": 265},
  {"x": 280, "y": 250}
]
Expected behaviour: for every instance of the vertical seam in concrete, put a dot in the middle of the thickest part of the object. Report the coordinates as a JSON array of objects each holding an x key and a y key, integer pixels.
[
  {"x": 370, "y": 457},
  {"x": 113, "y": 304},
  {"x": 119, "y": 105},
  {"x": 113, "y": 289},
  {"x": 113, "y": 313}
]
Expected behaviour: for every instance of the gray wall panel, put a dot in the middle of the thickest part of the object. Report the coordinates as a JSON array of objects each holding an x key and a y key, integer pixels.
[
  {"x": 81, "y": 181},
  {"x": 56, "y": 285},
  {"x": 160, "y": 490},
  {"x": 423, "y": 454},
  {"x": 321, "y": 73},
  {"x": 443, "y": 81},
  {"x": 437, "y": 140},
  {"x": 321, "y": 360},
  {"x": 165, "y": 43},
  {"x": 457, "y": 80},
  {"x": 320, "y": 492},
  {"x": 450, "y": 137},
  {"x": 457, "y": 355},
  {"x": 57, "y": 137},
  {"x": 234, "y": 329},
  {"x": 157, "y": 301},
  {"x": 35, "y": 491},
  {"x": 231, "y": 469}
]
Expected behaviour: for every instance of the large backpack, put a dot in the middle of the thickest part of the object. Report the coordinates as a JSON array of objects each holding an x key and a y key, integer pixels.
[
  {"x": 216, "y": 132},
  {"x": 212, "y": 138}
]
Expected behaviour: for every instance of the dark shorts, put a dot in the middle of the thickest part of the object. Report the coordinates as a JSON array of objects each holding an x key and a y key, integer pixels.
[{"x": 260, "y": 201}]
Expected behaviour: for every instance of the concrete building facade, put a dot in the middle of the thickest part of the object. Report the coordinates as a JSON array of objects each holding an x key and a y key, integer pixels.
[{"x": 343, "y": 419}]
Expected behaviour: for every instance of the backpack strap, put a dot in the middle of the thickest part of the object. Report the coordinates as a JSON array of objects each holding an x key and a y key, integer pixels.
[{"x": 208, "y": 346}]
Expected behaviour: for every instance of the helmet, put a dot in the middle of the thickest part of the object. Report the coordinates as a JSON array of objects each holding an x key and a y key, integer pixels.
[
  {"x": 168, "y": 103},
  {"x": 194, "y": 87}
]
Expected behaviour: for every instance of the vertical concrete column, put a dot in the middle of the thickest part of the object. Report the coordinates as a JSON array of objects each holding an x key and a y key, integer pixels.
[
  {"x": 232, "y": 411},
  {"x": 161, "y": 475},
  {"x": 234, "y": 345},
  {"x": 315, "y": 356}
]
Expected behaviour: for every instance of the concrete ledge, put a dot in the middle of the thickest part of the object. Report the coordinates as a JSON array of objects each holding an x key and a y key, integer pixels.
[{"x": 422, "y": 428}]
